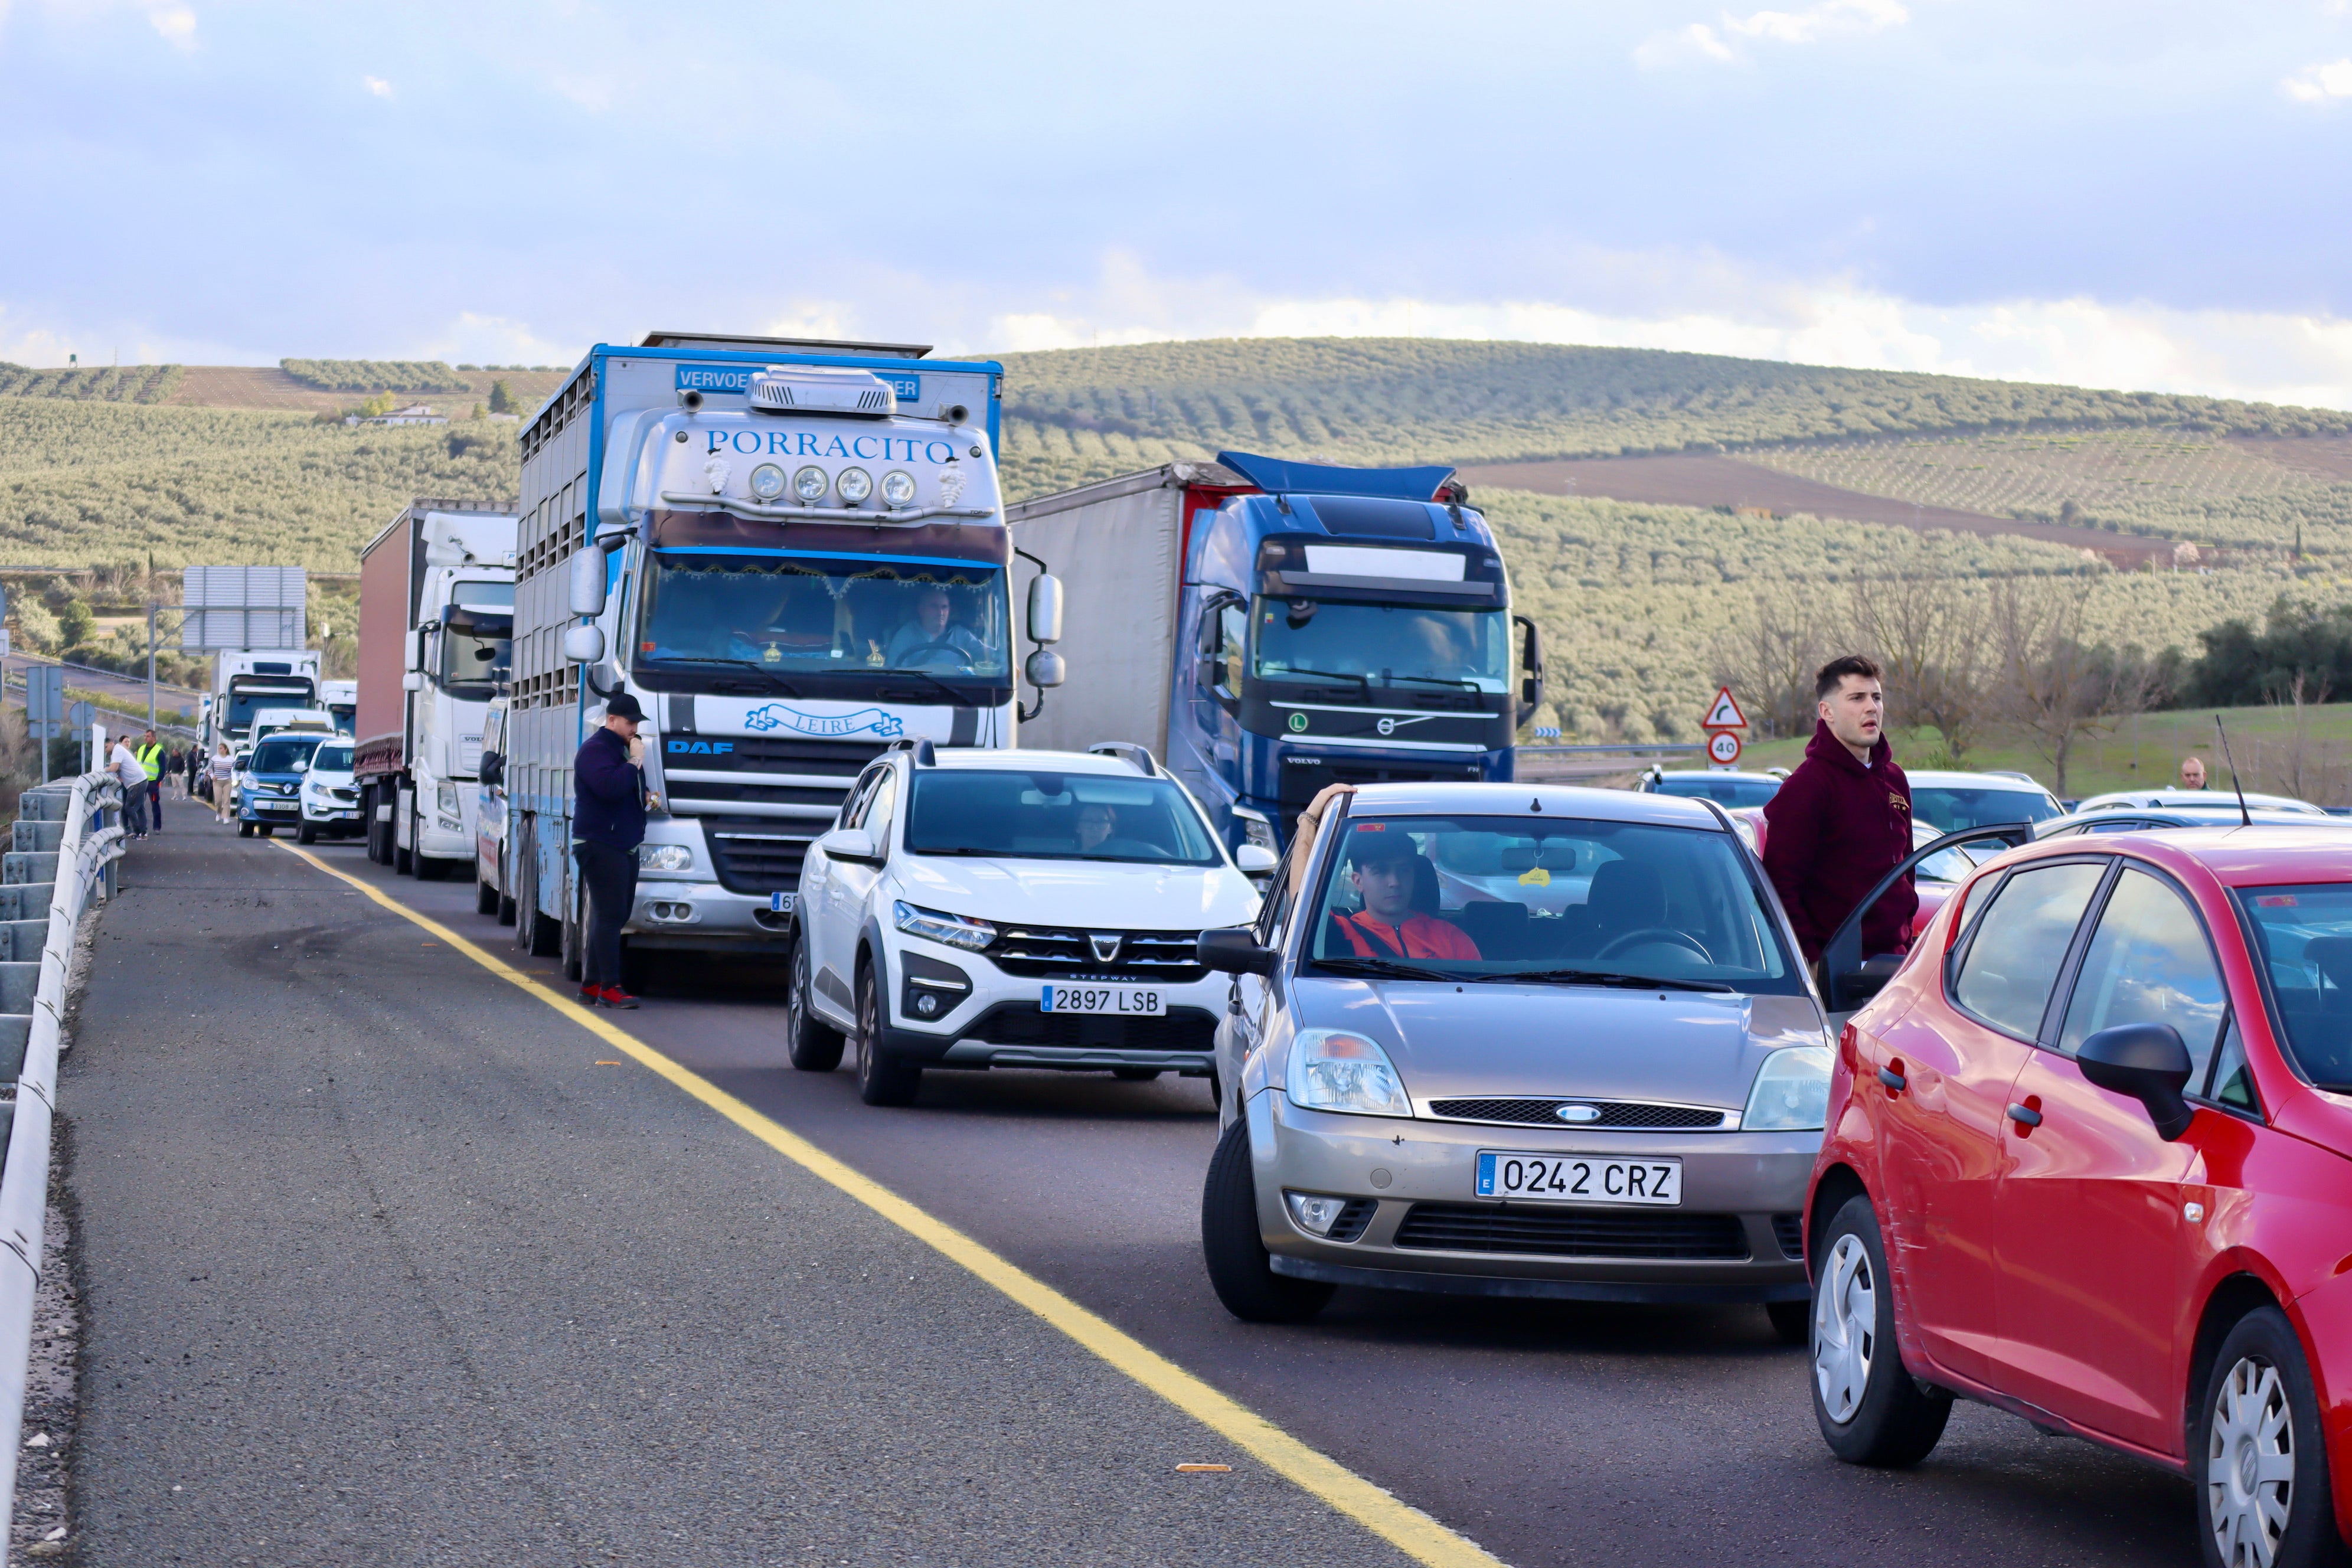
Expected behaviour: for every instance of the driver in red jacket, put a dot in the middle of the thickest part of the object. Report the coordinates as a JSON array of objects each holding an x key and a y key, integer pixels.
[
  {"x": 1842, "y": 820},
  {"x": 1382, "y": 865}
]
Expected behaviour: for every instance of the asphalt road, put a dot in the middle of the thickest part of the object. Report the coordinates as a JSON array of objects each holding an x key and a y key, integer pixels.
[
  {"x": 383, "y": 1268},
  {"x": 1549, "y": 1433}
]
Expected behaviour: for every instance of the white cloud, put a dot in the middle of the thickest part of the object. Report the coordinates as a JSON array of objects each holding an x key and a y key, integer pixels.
[
  {"x": 177, "y": 24},
  {"x": 474, "y": 339},
  {"x": 376, "y": 85},
  {"x": 1701, "y": 41},
  {"x": 2317, "y": 84}
]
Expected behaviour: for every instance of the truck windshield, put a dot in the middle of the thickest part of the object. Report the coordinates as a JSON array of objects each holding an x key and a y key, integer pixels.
[
  {"x": 244, "y": 702},
  {"x": 1410, "y": 645},
  {"x": 811, "y": 615},
  {"x": 475, "y": 646},
  {"x": 1035, "y": 814}
]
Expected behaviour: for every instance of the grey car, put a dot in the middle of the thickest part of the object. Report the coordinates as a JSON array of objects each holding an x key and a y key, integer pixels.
[{"x": 1517, "y": 1040}]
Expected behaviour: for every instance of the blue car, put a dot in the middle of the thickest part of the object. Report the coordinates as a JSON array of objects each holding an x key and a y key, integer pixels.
[{"x": 271, "y": 789}]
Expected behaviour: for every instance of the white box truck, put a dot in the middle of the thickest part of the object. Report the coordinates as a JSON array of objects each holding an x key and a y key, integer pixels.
[{"x": 437, "y": 625}]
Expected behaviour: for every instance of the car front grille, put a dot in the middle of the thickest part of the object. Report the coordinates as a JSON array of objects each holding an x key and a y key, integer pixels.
[
  {"x": 1617, "y": 1114},
  {"x": 756, "y": 854},
  {"x": 1145, "y": 957},
  {"x": 1026, "y": 1024},
  {"x": 1789, "y": 1230},
  {"x": 1572, "y": 1233}
]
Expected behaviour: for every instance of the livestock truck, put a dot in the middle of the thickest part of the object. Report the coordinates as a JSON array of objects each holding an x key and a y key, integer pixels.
[
  {"x": 436, "y": 619},
  {"x": 1268, "y": 627},
  {"x": 793, "y": 554}
]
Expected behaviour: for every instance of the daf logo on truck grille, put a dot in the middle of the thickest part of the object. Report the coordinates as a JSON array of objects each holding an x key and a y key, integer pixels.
[{"x": 1105, "y": 946}]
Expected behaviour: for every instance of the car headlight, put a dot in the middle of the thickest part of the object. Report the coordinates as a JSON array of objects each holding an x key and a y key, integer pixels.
[
  {"x": 665, "y": 857},
  {"x": 898, "y": 487},
  {"x": 767, "y": 481},
  {"x": 933, "y": 925},
  {"x": 445, "y": 800},
  {"x": 1331, "y": 1069},
  {"x": 1791, "y": 1092},
  {"x": 811, "y": 483},
  {"x": 855, "y": 485}
]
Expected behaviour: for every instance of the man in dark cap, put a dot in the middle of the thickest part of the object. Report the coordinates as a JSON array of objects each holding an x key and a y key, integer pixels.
[{"x": 608, "y": 823}]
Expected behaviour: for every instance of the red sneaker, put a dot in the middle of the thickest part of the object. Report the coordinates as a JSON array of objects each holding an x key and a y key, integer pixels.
[
  {"x": 613, "y": 997},
  {"x": 590, "y": 994}
]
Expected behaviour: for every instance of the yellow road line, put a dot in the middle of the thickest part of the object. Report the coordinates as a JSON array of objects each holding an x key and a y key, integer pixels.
[{"x": 1406, "y": 1527}]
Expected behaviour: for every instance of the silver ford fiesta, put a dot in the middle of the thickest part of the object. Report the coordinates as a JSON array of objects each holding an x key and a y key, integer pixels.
[{"x": 1517, "y": 1040}]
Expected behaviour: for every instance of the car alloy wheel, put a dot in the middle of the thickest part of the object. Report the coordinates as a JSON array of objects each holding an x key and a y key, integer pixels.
[
  {"x": 1845, "y": 1328},
  {"x": 813, "y": 1045},
  {"x": 2249, "y": 1465},
  {"x": 880, "y": 1080}
]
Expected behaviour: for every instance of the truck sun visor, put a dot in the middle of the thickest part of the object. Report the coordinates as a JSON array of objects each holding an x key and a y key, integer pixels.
[
  {"x": 1281, "y": 475},
  {"x": 1356, "y": 561}
]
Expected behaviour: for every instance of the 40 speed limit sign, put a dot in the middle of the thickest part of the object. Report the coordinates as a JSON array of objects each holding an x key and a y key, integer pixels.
[{"x": 1722, "y": 748}]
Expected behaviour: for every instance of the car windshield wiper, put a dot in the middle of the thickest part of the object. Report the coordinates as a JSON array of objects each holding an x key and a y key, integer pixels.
[
  {"x": 1382, "y": 968},
  {"x": 762, "y": 671},
  {"x": 1607, "y": 977}
]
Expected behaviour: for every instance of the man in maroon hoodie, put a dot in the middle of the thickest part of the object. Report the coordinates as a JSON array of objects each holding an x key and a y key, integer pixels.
[{"x": 1842, "y": 820}]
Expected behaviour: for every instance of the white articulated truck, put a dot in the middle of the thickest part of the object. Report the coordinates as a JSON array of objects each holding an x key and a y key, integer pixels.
[
  {"x": 793, "y": 554},
  {"x": 246, "y": 680},
  {"x": 436, "y": 619}
]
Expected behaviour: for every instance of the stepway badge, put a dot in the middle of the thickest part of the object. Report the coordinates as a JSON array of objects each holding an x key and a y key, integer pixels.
[{"x": 825, "y": 726}]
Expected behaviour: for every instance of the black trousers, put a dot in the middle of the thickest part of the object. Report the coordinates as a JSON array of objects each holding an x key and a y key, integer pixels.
[{"x": 610, "y": 875}]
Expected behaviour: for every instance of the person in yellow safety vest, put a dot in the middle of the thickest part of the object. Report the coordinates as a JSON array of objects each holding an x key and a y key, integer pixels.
[{"x": 150, "y": 753}]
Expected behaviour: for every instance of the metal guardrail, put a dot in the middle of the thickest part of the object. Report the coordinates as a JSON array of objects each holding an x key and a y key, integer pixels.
[{"x": 83, "y": 856}]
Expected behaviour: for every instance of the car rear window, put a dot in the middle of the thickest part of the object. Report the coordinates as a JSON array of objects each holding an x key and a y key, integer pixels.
[
  {"x": 2303, "y": 934},
  {"x": 2012, "y": 960},
  {"x": 1950, "y": 810}
]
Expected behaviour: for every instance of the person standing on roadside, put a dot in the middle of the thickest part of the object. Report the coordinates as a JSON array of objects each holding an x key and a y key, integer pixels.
[
  {"x": 2193, "y": 773},
  {"x": 127, "y": 772},
  {"x": 608, "y": 823},
  {"x": 151, "y": 759},
  {"x": 223, "y": 766},
  {"x": 1842, "y": 820}
]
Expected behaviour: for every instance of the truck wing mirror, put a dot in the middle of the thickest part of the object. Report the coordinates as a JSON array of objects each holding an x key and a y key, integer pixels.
[
  {"x": 492, "y": 769},
  {"x": 1045, "y": 610},
  {"x": 584, "y": 645},
  {"x": 1847, "y": 982},
  {"x": 1045, "y": 668},
  {"x": 1235, "y": 952},
  {"x": 2148, "y": 1062},
  {"x": 587, "y": 582},
  {"x": 1531, "y": 667}
]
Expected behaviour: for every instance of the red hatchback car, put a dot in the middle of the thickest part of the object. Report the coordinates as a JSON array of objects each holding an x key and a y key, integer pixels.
[{"x": 2089, "y": 1160}]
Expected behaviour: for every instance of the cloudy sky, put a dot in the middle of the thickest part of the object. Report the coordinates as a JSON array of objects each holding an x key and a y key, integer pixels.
[{"x": 2137, "y": 193}]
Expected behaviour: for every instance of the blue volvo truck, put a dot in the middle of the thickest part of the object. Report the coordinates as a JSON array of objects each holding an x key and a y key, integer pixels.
[{"x": 1268, "y": 627}]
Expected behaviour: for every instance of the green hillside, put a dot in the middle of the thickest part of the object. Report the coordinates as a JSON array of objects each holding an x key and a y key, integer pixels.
[
  {"x": 1078, "y": 413},
  {"x": 113, "y": 383}
]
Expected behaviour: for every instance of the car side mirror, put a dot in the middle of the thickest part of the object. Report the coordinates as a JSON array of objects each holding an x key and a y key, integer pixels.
[
  {"x": 1255, "y": 859},
  {"x": 2148, "y": 1062},
  {"x": 1235, "y": 952},
  {"x": 850, "y": 844}
]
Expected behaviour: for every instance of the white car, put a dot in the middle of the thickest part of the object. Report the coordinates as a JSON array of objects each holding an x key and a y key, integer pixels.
[
  {"x": 978, "y": 907},
  {"x": 1949, "y": 801},
  {"x": 2221, "y": 799},
  {"x": 330, "y": 801}
]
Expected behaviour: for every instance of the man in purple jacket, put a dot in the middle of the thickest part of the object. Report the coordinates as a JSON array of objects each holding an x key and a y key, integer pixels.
[
  {"x": 608, "y": 823},
  {"x": 1842, "y": 820}
]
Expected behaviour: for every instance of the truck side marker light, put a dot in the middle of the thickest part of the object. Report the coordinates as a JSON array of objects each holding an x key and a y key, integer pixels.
[{"x": 1412, "y": 1531}]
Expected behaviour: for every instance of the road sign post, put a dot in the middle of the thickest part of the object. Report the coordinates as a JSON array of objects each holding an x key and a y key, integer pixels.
[{"x": 1723, "y": 716}]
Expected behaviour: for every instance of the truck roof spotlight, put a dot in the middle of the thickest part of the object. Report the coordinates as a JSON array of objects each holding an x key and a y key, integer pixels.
[
  {"x": 811, "y": 483},
  {"x": 855, "y": 485},
  {"x": 898, "y": 487},
  {"x": 767, "y": 481}
]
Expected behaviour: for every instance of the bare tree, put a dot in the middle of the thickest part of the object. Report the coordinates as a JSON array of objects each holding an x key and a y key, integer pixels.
[
  {"x": 2306, "y": 767},
  {"x": 1928, "y": 630},
  {"x": 2054, "y": 686},
  {"x": 1769, "y": 656}
]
